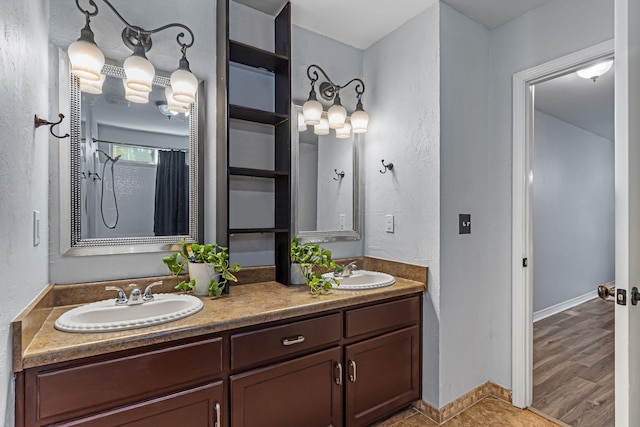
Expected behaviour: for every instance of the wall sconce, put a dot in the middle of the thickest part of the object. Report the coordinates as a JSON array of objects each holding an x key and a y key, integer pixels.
[
  {"x": 336, "y": 117},
  {"x": 87, "y": 61}
]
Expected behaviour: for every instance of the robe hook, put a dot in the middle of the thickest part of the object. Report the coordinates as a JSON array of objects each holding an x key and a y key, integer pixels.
[
  {"x": 42, "y": 122},
  {"x": 388, "y": 166},
  {"x": 340, "y": 175}
]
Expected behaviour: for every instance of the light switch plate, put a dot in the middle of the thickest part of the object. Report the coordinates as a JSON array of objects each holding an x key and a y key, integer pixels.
[
  {"x": 389, "y": 225},
  {"x": 36, "y": 228}
]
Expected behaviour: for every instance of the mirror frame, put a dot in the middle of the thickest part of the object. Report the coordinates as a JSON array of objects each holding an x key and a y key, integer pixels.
[
  {"x": 71, "y": 241},
  {"x": 330, "y": 235}
]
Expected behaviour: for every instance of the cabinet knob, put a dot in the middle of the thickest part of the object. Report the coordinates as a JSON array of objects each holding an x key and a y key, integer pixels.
[
  {"x": 292, "y": 341},
  {"x": 353, "y": 371}
]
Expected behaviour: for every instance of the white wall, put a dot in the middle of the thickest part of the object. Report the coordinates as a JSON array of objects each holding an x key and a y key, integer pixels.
[
  {"x": 465, "y": 323},
  {"x": 573, "y": 211},
  {"x": 403, "y": 71},
  {"x": 24, "y": 90},
  {"x": 551, "y": 31}
]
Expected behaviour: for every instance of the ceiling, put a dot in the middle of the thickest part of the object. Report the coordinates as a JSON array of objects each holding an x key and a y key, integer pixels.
[
  {"x": 581, "y": 102},
  {"x": 361, "y": 23}
]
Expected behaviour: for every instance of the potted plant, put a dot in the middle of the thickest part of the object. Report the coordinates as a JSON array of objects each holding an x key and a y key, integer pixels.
[
  {"x": 306, "y": 260},
  {"x": 208, "y": 268}
]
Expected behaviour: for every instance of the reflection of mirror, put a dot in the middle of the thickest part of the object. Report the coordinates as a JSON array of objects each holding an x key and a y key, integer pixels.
[
  {"x": 134, "y": 171},
  {"x": 326, "y": 203}
]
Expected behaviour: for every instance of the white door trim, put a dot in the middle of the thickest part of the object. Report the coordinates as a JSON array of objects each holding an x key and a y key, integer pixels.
[{"x": 521, "y": 224}]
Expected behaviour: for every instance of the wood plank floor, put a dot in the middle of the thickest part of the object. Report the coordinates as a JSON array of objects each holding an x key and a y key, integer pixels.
[
  {"x": 573, "y": 365},
  {"x": 489, "y": 412}
]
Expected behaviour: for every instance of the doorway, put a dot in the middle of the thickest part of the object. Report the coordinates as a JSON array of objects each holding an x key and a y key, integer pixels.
[{"x": 522, "y": 214}]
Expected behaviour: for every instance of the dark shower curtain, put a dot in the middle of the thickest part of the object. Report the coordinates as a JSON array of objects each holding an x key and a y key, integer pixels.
[{"x": 171, "y": 215}]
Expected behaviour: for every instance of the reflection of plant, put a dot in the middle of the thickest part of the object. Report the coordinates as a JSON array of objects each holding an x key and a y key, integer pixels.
[
  {"x": 312, "y": 257},
  {"x": 215, "y": 255}
]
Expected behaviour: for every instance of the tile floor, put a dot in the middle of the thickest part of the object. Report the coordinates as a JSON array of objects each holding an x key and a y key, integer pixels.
[{"x": 490, "y": 412}]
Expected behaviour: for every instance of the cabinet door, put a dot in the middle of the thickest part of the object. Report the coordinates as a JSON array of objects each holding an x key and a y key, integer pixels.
[
  {"x": 303, "y": 392},
  {"x": 382, "y": 375},
  {"x": 197, "y": 407}
]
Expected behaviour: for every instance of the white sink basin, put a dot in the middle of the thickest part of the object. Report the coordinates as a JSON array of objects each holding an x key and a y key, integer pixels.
[
  {"x": 362, "y": 279},
  {"x": 106, "y": 316}
]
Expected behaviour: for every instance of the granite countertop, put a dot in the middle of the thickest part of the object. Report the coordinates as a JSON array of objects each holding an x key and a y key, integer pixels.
[{"x": 246, "y": 305}]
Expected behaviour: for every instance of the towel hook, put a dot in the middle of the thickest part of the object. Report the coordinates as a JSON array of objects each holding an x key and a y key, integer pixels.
[
  {"x": 388, "y": 166},
  {"x": 340, "y": 175},
  {"x": 42, "y": 122}
]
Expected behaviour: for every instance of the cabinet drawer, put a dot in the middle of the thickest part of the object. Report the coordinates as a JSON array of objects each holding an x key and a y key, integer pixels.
[
  {"x": 89, "y": 388},
  {"x": 253, "y": 348},
  {"x": 382, "y": 317}
]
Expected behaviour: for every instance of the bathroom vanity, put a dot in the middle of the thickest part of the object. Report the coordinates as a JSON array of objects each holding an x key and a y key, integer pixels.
[{"x": 265, "y": 355}]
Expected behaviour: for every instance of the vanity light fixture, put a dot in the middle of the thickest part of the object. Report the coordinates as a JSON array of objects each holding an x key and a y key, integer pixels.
[
  {"x": 336, "y": 116},
  {"x": 87, "y": 61},
  {"x": 594, "y": 71}
]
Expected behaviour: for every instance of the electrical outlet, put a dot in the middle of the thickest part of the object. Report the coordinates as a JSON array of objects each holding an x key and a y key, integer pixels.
[
  {"x": 343, "y": 221},
  {"x": 389, "y": 226},
  {"x": 36, "y": 228},
  {"x": 465, "y": 223}
]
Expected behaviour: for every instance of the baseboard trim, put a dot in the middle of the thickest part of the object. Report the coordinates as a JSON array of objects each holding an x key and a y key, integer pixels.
[
  {"x": 555, "y": 309},
  {"x": 462, "y": 403}
]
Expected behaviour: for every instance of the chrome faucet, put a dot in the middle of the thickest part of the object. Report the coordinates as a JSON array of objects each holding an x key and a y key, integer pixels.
[
  {"x": 136, "y": 297},
  {"x": 347, "y": 270},
  {"x": 122, "y": 297},
  {"x": 148, "y": 296}
]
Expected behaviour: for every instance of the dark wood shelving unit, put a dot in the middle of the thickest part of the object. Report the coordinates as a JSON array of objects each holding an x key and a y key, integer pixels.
[{"x": 279, "y": 64}]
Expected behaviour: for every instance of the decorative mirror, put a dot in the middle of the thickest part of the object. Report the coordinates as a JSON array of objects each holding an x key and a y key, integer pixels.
[
  {"x": 134, "y": 171},
  {"x": 326, "y": 185}
]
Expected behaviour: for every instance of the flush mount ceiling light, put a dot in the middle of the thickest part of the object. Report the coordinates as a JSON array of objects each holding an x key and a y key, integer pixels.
[
  {"x": 336, "y": 117},
  {"x": 164, "y": 109},
  {"x": 87, "y": 60},
  {"x": 595, "y": 71}
]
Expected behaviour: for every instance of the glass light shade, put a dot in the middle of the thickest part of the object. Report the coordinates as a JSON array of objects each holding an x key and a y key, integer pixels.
[
  {"x": 86, "y": 60},
  {"x": 344, "y": 132},
  {"x": 172, "y": 104},
  {"x": 134, "y": 95},
  {"x": 93, "y": 87},
  {"x": 312, "y": 111},
  {"x": 337, "y": 115},
  {"x": 139, "y": 72},
  {"x": 359, "y": 121},
  {"x": 596, "y": 70},
  {"x": 322, "y": 128},
  {"x": 184, "y": 85},
  {"x": 302, "y": 126}
]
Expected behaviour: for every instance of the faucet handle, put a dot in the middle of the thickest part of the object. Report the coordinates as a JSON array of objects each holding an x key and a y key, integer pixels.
[
  {"x": 148, "y": 296},
  {"x": 122, "y": 297}
]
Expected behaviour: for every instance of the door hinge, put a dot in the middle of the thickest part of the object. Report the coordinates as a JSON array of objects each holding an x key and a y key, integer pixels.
[
  {"x": 525, "y": 262},
  {"x": 621, "y": 296}
]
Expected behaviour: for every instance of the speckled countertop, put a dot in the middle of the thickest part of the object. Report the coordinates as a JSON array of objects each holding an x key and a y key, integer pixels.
[{"x": 245, "y": 305}]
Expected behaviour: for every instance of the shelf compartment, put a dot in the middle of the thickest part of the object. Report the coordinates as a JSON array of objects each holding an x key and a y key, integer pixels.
[
  {"x": 256, "y": 173},
  {"x": 257, "y": 230},
  {"x": 258, "y": 116},
  {"x": 254, "y": 57}
]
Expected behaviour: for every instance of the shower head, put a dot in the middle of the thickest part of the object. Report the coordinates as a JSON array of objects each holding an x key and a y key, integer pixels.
[{"x": 116, "y": 159}]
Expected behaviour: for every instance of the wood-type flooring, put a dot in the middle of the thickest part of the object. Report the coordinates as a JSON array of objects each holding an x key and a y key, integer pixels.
[
  {"x": 489, "y": 412},
  {"x": 573, "y": 365}
]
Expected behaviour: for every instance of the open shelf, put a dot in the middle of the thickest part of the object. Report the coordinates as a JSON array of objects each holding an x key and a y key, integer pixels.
[
  {"x": 257, "y": 230},
  {"x": 257, "y": 173},
  {"x": 252, "y": 56},
  {"x": 258, "y": 116}
]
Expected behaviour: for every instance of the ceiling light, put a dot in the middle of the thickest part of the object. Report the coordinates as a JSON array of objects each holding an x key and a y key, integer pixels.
[
  {"x": 595, "y": 71},
  {"x": 337, "y": 115},
  {"x": 164, "y": 109}
]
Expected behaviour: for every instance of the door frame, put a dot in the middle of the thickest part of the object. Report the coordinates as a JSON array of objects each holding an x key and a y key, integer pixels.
[{"x": 522, "y": 213}]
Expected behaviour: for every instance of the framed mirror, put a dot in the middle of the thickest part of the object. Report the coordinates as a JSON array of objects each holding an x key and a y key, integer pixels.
[
  {"x": 134, "y": 171},
  {"x": 326, "y": 185}
]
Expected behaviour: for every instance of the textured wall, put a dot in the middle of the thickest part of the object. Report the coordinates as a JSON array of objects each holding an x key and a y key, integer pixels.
[
  {"x": 573, "y": 212},
  {"x": 403, "y": 71},
  {"x": 464, "y": 156},
  {"x": 24, "y": 27},
  {"x": 543, "y": 34}
]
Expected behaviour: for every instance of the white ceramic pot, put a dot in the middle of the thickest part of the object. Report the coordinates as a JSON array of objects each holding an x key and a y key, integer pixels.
[
  {"x": 202, "y": 273},
  {"x": 297, "y": 278}
]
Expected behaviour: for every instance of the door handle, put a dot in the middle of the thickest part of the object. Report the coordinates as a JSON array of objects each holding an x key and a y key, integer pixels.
[
  {"x": 605, "y": 292},
  {"x": 292, "y": 341},
  {"x": 353, "y": 371},
  {"x": 217, "y": 422},
  {"x": 339, "y": 377}
]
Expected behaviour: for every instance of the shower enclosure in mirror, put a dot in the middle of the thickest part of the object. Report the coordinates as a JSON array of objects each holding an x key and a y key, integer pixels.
[
  {"x": 327, "y": 186},
  {"x": 134, "y": 170}
]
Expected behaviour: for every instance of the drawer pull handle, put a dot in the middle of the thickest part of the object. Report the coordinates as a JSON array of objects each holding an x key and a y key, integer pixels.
[
  {"x": 218, "y": 416},
  {"x": 339, "y": 377},
  {"x": 353, "y": 374},
  {"x": 292, "y": 341}
]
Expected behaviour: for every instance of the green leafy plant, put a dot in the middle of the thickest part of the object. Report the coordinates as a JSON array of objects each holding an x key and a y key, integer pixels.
[
  {"x": 213, "y": 254},
  {"x": 313, "y": 258}
]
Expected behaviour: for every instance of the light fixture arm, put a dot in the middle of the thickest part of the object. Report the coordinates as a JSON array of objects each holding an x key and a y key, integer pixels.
[{"x": 328, "y": 89}]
